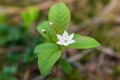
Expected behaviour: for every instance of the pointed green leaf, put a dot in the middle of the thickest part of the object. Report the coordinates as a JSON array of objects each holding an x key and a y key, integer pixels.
[
  {"x": 47, "y": 60},
  {"x": 65, "y": 65},
  {"x": 45, "y": 48},
  {"x": 59, "y": 14},
  {"x": 84, "y": 42},
  {"x": 49, "y": 33}
]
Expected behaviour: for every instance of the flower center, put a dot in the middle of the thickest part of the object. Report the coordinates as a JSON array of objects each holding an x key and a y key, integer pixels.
[{"x": 65, "y": 40}]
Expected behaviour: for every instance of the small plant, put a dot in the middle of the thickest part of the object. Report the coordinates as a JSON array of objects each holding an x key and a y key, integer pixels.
[
  {"x": 55, "y": 31},
  {"x": 29, "y": 16}
]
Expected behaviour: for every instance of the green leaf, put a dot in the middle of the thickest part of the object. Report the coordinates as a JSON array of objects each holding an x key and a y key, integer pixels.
[
  {"x": 83, "y": 42},
  {"x": 65, "y": 65},
  {"x": 47, "y": 60},
  {"x": 49, "y": 33},
  {"x": 60, "y": 16},
  {"x": 46, "y": 47}
]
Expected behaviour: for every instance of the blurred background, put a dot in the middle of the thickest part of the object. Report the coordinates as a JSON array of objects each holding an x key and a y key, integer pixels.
[{"x": 99, "y": 19}]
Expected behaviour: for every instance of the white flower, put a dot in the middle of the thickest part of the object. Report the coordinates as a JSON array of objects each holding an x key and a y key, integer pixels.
[{"x": 65, "y": 39}]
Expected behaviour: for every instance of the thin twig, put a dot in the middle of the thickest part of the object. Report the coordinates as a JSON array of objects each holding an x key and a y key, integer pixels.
[
  {"x": 80, "y": 55},
  {"x": 73, "y": 60},
  {"x": 108, "y": 51},
  {"x": 79, "y": 66},
  {"x": 109, "y": 8}
]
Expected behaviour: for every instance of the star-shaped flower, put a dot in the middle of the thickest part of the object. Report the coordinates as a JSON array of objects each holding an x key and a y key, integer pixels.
[{"x": 65, "y": 39}]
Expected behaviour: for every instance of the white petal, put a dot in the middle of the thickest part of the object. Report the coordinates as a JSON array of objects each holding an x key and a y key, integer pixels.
[
  {"x": 63, "y": 43},
  {"x": 65, "y": 34},
  {"x": 60, "y": 43},
  {"x": 59, "y": 37},
  {"x": 66, "y": 44},
  {"x": 71, "y": 36},
  {"x": 72, "y": 41}
]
